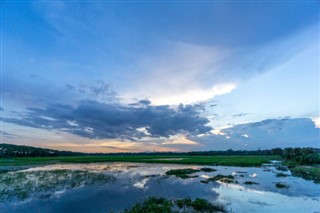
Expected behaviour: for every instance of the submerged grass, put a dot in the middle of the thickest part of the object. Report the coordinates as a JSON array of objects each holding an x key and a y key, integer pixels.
[
  {"x": 22, "y": 185},
  {"x": 232, "y": 160}
]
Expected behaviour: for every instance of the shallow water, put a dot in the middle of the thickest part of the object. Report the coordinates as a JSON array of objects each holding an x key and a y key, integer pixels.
[{"x": 133, "y": 182}]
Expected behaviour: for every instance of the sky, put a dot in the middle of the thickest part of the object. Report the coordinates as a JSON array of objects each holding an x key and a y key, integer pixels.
[{"x": 145, "y": 76}]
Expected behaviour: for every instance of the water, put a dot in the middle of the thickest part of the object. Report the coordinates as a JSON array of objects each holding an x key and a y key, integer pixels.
[{"x": 134, "y": 182}]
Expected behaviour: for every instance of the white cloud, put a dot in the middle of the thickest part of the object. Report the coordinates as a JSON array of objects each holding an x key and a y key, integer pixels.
[
  {"x": 193, "y": 95},
  {"x": 316, "y": 121},
  {"x": 143, "y": 130},
  {"x": 286, "y": 132},
  {"x": 179, "y": 139},
  {"x": 178, "y": 73},
  {"x": 89, "y": 130},
  {"x": 217, "y": 132}
]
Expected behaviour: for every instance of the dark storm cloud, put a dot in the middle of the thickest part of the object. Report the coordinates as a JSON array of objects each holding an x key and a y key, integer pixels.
[{"x": 93, "y": 119}]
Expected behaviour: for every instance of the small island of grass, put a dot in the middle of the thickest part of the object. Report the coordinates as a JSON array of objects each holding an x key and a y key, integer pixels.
[
  {"x": 221, "y": 178},
  {"x": 182, "y": 173},
  {"x": 206, "y": 169},
  {"x": 250, "y": 183},
  {"x": 282, "y": 186},
  {"x": 162, "y": 205}
]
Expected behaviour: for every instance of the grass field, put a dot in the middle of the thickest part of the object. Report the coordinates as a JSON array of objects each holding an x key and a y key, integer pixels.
[{"x": 233, "y": 160}]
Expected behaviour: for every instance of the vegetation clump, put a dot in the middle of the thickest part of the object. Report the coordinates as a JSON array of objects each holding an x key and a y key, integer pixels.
[
  {"x": 183, "y": 173},
  {"x": 152, "y": 205},
  {"x": 151, "y": 176},
  {"x": 250, "y": 183},
  {"x": 281, "y": 186},
  {"x": 301, "y": 156},
  {"x": 281, "y": 175},
  {"x": 281, "y": 167},
  {"x": 202, "y": 205},
  {"x": 241, "y": 172},
  {"x": 221, "y": 178},
  {"x": 204, "y": 181},
  {"x": 206, "y": 169},
  {"x": 303, "y": 162},
  {"x": 162, "y": 205},
  {"x": 183, "y": 203}
]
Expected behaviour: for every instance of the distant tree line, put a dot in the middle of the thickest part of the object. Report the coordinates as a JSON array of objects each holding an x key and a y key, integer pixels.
[
  {"x": 233, "y": 152},
  {"x": 10, "y": 150},
  {"x": 299, "y": 155},
  {"x": 295, "y": 155}
]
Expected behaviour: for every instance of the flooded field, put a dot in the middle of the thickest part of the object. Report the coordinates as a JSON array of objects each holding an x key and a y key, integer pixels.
[{"x": 105, "y": 187}]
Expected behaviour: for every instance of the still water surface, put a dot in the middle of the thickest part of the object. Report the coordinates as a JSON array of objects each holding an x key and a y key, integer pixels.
[{"x": 134, "y": 182}]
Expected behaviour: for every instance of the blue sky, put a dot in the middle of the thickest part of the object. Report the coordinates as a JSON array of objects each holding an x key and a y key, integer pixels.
[{"x": 113, "y": 76}]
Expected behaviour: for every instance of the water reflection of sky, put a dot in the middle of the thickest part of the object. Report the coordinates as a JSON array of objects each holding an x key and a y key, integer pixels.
[{"x": 135, "y": 182}]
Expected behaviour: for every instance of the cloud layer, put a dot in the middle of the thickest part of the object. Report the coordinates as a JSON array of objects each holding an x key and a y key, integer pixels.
[
  {"x": 97, "y": 120},
  {"x": 266, "y": 134},
  {"x": 96, "y": 59}
]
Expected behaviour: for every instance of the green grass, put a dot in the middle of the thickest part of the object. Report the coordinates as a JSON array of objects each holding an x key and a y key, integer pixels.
[
  {"x": 307, "y": 172},
  {"x": 199, "y": 160}
]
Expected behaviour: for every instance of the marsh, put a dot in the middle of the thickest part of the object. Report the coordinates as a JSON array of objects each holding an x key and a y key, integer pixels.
[{"x": 106, "y": 187}]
